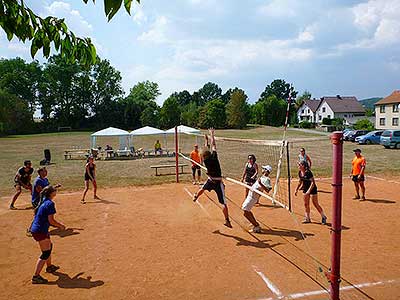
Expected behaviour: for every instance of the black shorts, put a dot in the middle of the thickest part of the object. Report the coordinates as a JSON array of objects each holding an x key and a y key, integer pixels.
[
  {"x": 357, "y": 178},
  {"x": 194, "y": 168},
  {"x": 250, "y": 181},
  {"x": 314, "y": 191},
  {"x": 16, "y": 183},
  {"x": 218, "y": 187},
  {"x": 87, "y": 177}
]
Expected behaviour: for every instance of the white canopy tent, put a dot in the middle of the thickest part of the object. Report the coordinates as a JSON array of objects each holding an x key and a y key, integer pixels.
[
  {"x": 124, "y": 138},
  {"x": 183, "y": 129},
  {"x": 148, "y": 130}
]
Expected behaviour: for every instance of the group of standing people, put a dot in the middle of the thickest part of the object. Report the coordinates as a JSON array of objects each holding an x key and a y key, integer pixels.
[{"x": 42, "y": 199}]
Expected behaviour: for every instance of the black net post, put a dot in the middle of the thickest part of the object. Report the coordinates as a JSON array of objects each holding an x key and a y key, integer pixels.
[{"x": 289, "y": 175}]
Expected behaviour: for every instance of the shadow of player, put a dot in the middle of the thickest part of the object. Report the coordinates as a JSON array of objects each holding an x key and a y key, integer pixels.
[
  {"x": 243, "y": 242},
  {"x": 102, "y": 201},
  {"x": 64, "y": 281},
  {"x": 383, "y": 201},
  {"x": 297, "y": 235},
  {"x": 66, "y": 232}
]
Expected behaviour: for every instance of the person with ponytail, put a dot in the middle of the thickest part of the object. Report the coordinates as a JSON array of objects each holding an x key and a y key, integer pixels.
[
  {"x": 250, "y": 172},
  {"x": 307, "y": 184},
  {"x": 44, "y": 217}
]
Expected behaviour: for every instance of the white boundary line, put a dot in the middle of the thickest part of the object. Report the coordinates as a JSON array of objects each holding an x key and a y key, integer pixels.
[
  {"x": 322, "y": 292},
  {"x": 382, "y": 179},
  {"x": 274, "y": 289},
  {"x": 198, "y": 203}
]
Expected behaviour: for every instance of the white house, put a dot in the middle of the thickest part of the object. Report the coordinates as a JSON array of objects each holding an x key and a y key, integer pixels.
[
  {"x": 307, "y": 110},
  {"x": 387, "y": 112},
  {"x": 339, "y": 107}
]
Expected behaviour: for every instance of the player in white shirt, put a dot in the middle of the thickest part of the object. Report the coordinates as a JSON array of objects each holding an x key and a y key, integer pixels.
[{"x": 263, "y": 184}]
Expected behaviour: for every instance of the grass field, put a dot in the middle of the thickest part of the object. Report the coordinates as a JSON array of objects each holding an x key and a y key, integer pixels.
[{"x": 15, "y": 149}]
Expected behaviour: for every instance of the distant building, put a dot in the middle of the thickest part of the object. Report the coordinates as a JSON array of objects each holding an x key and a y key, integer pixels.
[
  {"x": 339, "y": 107},
  {"x": 387, "y": 112},
  {"x": 347, "y": 108},
  {"x": 307, "y": 110}
]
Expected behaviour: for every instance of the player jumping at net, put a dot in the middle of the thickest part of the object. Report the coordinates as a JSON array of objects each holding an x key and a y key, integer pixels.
[
  {"x": 214, "y": 181},
  {"x": 90, "y": 175},
  {"x": 22, "y": 180},
  {"x": 307, "y": 184},
  {"x": 44, "y": 217},
  {"x": 262, "y": 184},
  {"x": 195, "y": 156}
]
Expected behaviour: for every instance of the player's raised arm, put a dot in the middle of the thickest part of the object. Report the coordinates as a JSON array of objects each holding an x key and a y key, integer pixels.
[{"x": 213, "y": 143}]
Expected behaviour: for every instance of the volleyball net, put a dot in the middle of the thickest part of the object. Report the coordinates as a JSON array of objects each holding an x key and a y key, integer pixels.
[{"x": 233, "y": 155}]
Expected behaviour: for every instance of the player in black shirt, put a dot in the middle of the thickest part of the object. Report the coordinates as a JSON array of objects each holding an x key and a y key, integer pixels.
[
  {"x": 214, "y": 181},
  {"x": 22, "y": 180},
  {"x": 307, "y": 184}
]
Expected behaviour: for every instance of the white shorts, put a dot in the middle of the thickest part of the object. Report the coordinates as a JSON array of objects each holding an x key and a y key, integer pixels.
[{"x": 250, "y": 201}]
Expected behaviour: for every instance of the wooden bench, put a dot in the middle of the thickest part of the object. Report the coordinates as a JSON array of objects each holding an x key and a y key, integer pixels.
[
  {"x": 181, "y": 166},
  {"x": 78, "y": 153}
]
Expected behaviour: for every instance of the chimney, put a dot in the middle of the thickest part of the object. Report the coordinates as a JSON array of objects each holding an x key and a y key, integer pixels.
[{"x": 338, "y": 96}]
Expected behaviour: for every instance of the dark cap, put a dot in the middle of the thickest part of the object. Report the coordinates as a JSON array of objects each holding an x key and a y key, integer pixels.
[{"x": 357, "y": 150}]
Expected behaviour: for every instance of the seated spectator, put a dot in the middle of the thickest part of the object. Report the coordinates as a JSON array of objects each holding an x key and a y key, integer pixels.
[{"x": 157, "y": 147}]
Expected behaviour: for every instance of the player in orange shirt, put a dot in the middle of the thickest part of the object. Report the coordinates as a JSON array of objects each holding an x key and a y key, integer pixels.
[
  {"x": 357, "y": 174},
  {"x": 195, "y": 155}
]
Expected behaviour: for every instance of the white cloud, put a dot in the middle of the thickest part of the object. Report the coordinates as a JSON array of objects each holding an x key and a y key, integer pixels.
[
  {"x": 72, "y": 17},
  {"x": 157, "y": 32},
  {"x": 379, "y": 20},
  {"x": 138, "y": 14},
  {"x": 278, "y": 9}
]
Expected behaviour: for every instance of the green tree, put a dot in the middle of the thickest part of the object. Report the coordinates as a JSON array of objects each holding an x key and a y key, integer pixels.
[
  {"x": 269, "y": 111},
  {"x": 21, "y": 79},
  {"x": 183, "y": 98},
  {"x": 151, "y": 115},
  {"x": 18, "y": 20},
  {"x": 170, "y": 113},
  {"x": 237, "y": 109},
  {"x": 213, "y": 114},
  {"x": 15, "y": 115},
  {"x": 208, "y": 92},
  {"x": 140, "y": 96},
  {"x": 305, "y": 96},
  {"x": 364, "y": 124},
  {"x": 281, "y": 89},
  {"x": 190, "y": 114},
  {"x": 106, "y": 93}
]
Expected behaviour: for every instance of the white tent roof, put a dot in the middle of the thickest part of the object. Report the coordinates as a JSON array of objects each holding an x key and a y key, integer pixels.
[
  {"x": 183, "y": 129},
  {"x": 111, "y": 131},
  {"x": 147, "y": 130}
]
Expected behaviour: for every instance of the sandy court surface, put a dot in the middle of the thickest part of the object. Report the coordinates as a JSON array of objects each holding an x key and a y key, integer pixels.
[{"x": 155, "y": 243}]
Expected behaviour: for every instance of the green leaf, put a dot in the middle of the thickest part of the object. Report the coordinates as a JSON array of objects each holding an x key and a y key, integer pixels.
[
  {"x": 113, "y": 7},
  {"x": 127, "y": 4},
  {"x": 9, "y": 35},
  {"x": 34, "y": 49}
]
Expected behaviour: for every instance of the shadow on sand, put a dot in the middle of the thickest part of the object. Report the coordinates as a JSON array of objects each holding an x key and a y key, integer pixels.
[
  {"x": 101, "y": 201},
  {"x": 243, "y": 242},
  {"x": 381, "y": 201},
  {"x": 66, "y": 232},
  {"x": 286, "y": 233},
  {"x": 64, "y": 281}
]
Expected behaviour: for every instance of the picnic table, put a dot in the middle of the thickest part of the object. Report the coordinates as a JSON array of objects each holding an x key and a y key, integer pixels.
[
  {"x": 124, "y": 152},
  {"x": 69, "y": 153},
  {"x": 181, "y": 166}
]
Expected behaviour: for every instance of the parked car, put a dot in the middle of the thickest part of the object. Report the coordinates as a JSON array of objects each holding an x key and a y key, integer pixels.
[
  {"x": 352, "y": 136},
  {"x": 346, "y": 134},
  {"x": 373, "y": 137},
  {"x": 391, "y": 138}
]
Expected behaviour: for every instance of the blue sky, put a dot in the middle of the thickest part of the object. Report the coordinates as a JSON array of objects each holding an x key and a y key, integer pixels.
[{"x": 344, "y": 47}]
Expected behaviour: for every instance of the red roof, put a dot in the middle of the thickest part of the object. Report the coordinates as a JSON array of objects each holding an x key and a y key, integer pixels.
[{"x": 392, "y": 98}]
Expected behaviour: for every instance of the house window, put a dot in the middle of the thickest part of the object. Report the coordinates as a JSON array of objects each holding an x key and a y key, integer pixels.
[
  {"x": 382, "y": 121},
  {"x": 345, "y": 116},
  {"x": 395, "y": 122},
  {"x": 323, "y": 109},
  {"x": 308, "y": 110},
  {"x": 302, "y": 111},
  {"x": 319, "y": 117},
  {"x": 329, "y": 116},
  {"x": 396, "y": 107},
  {"x": 382, "y": 108}
]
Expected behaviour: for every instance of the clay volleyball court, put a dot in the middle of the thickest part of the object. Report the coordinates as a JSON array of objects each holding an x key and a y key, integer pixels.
[{"x": 155, "y": 243}]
